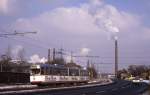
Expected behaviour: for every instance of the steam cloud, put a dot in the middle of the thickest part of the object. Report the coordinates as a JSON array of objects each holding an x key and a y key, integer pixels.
[
  {"x": 84, "y": 51},
  {"x": 15, "y": 51},
  {"x": 36, "y": 59},
  {"x": 102, "y": 19}
]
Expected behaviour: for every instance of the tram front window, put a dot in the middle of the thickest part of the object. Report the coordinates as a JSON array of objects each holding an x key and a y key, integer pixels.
[{"x": 35, "y": 71}]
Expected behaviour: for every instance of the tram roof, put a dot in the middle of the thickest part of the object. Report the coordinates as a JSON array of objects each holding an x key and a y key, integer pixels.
[
  {"x": 57, "y": 66},
  {"x": 51, "y": 65}
]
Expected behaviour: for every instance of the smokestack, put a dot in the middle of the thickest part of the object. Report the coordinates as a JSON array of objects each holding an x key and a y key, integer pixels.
[
  {"x": 49, "y": 57},
  {"x": 71, "y": 61},
  {"x": 54, "y": 52},
  {"x": 116, "y": 58},
  {"x": 61, "y": 53}
]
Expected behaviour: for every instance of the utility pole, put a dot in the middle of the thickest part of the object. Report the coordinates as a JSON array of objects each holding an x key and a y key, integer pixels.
[
  {"x": 49, "y": 57},
  {"x": 54, "y": 52},
  {"x": 116, "y": 57},
  {"x": 71, "y": 61},
  {"x": 61, "y": 53}
]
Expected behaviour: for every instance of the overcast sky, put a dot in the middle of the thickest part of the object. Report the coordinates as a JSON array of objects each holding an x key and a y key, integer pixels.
[{"x": 79, "y": 25}]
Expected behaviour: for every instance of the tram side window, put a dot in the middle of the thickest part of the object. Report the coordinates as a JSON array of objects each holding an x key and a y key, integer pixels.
[
  {"x": 51, "y": 71},
  {"x": 35, "y": 71},
  {"x": 46, "y": 71},
  {"x": 63, "y": 72},
  {"x": 84, "y": 73},
  {"x": 42, "y": 71},
  {"x": 56, "y": 71},
  {"x": 74, "y": 72}
]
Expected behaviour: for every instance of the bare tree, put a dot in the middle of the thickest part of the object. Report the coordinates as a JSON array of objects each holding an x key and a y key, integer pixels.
[{"x": 92, "y": 70}]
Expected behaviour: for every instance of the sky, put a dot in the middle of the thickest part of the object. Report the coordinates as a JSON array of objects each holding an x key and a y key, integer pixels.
[{"x": 85, "y": 27}]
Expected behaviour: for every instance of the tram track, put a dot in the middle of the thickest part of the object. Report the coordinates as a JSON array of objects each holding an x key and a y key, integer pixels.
[
  {"x": 48, "y": 88},
  {"x": 116, "y": 88}
]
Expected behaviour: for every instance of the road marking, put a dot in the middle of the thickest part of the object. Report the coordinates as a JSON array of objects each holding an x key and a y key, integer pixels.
[
  {"x": 123, "y": 87},
  {"x": 100, "y": 91},
  {"x": 114, "y": 89}
]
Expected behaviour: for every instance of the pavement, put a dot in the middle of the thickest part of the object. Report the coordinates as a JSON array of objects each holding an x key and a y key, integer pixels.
[{"x": 9, "y": 87}]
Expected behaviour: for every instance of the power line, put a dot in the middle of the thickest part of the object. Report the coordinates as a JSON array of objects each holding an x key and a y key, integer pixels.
[{"x": 15, "y": 33}]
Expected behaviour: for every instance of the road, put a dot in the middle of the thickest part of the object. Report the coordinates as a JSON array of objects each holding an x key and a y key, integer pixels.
[{"x": 120, "y": 87}]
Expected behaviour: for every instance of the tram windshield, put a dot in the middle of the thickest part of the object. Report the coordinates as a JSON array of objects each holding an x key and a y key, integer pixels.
[{"x": 35, "y": 71}]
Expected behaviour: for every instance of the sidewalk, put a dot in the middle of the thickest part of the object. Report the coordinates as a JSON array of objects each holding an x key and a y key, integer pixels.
[{"x": 19, "y": 86}]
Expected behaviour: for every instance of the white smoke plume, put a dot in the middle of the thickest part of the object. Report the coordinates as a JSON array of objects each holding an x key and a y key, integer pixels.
[
  {"x": 68, "y": 59},
  {"x": 36, "y": 59},
  {"x": 43, "y": 60},
  {"x": 104, "y": 17},
  {"x": 16, "y": 50},
  {"x": 84, "y": 51}
]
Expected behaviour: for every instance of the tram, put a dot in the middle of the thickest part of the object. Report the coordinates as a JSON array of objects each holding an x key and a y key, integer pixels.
[{"x": 44, "y": 74}]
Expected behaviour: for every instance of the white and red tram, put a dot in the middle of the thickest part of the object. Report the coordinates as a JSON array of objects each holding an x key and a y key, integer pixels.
[{"x": 43, "y": 74}]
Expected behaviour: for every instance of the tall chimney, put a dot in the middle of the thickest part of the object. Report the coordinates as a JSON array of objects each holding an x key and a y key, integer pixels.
[
  {"x": 116, "y": 58},
  {"x": 61, "y": 53},
  {"x": 71, "y": 61}
]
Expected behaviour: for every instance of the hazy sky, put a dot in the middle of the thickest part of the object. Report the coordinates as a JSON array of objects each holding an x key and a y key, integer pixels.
[{"x": 77, "y": 25}]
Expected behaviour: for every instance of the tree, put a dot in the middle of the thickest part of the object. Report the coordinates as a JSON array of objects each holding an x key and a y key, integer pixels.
[
  {"x": 5, "y": 66},
  {"x": 122, "y": 74},
  {"x": 141, "y": 71},
  {"x": 92, "y": 70}
]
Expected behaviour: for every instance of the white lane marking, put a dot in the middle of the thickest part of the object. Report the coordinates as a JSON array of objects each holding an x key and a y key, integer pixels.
[
  {"x": 100, "y": 91},
  {"x": 125, "y": 86},
  {"x": 114, "y": 89}
]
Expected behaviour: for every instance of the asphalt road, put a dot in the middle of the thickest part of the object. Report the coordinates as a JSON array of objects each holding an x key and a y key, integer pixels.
[{"x": 120, "y": 87}]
